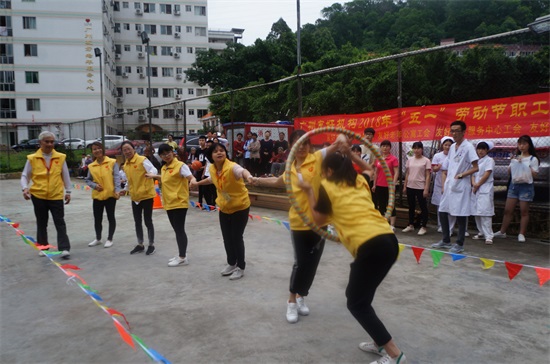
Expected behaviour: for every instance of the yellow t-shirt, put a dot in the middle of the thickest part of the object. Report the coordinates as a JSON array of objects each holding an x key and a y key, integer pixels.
[
  {"x": 103, "y": 175},
  {"x": 175, "y": 188},
  {"x": 232, "y": 193},
  {"x": 353, "y": 213}
]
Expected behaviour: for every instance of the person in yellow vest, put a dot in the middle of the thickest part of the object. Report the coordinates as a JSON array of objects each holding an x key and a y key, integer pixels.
[
  {"x": 172, "y": 143},
  {"x": 51, "y": 184},
  {"x": 307, "y": 244},
  {"x": 233, "y": 203},
  {"x": 104, "y": 180},
  {"x": 175, "y": 177},
  {"x": 142, "y": 193},
  {"x": 345, "y": 198}
]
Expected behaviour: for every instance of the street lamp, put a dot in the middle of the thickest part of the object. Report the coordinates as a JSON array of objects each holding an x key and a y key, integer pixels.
[
  {"x": 97, "y": 52},
  {"x": 145, "y": 40}
]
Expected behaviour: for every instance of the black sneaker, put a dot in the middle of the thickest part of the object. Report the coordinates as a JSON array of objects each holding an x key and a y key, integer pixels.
[
  {"x": 137, "y": 249},
  {"x": 150, "y": 250}
]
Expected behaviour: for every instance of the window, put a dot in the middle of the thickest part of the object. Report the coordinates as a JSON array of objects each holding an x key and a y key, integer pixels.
[
  {"x": 33, "y": 104},
  {"x": 137, "y": 5},
  {"x": 125, "y": 5},
  {"x": 166, "y": 29},
  {"x": 31, "y": 77},
  {"x": 117, "y": 27},
  {"x": 168, "y": 113},
  {"x": 150, "y": 28},
  {"x": 130, "y": 111},
  {"x": 126, "y": 26},
  {"x": 29, "y": 22},
  {"x": 200, "y": 10},
  {"x": 152, "y": 50},
  {"x": 128, "y": 90},
  {"x": 7, "y": 109},
  {"x": 138, "y": 26},
  {"x": 127, "y": 48},
  {"x": 6, "y": 53},
  {"x": 5, "y": 26},
  {"x": 140, "y": 91},
  {"x": 148, "y": 7},
  {"x": 165, "y": 51},
  {"x": 178, "y": 90},
  {"x": 189, "y": 49},
  {"x": 200, "y": 31},
  {"x": 118, "y": 71},
  {"x": 179, "y": 70},
  {"x": 155, "y": 113},
  {"x": 202, "y": 91},
  {"x": 177, "y": 28},
  {"x": 5, "y": 4},
  {"x": 154, "y": 72},
  {"x": 190, "y": 91},
  {"x": 189, "y": 29},
  {"x": 31, "y": 50},
  {"x": 7, "y": 80},
  {"x": 139, "y": 48},
  {"x": 200, "y": 49},
  {"x": 177, "y": 9},
  {"x": 201, "y": 113},
  {"x": 139, "y": 69},
  {"x": 191, "y": 112},
  {"x": 118, "y": 49},
  {"x": 116, "y": 6},
  {"x": 154, "y": 92},
  {"x": 188, "y": 8},
  {"x": 165, "y": 9},
  {"x": 167, "y": 72},
  {"x": 167, "y": 92},
  {"x": 119, "y": 92},
  {"x": 128, "y": 69}
]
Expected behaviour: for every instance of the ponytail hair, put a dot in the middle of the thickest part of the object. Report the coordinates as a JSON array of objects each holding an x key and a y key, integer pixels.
[{"x": 342, "y": 169}]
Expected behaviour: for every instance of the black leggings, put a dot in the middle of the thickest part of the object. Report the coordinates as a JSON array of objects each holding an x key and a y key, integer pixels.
[
  {"x": 177, "y": 220},
  {"x": 144, "y": 207},
  {"x": 414, "y": 194},
  {"x": 308, "y": 248},
  {"x": 232, "y": 226},
  {"x": 109, "y": 206},
  {"x": 373, "y": 261},
  {"x": 381, "y": 199}
]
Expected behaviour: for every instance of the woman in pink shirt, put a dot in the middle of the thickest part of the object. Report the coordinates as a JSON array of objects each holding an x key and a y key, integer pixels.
[
  {"x": 380, "y": 189},
  {"x": 417, "y": 186}
]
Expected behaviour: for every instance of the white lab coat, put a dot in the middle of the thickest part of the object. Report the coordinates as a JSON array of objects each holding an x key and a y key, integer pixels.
[
  {"x": 483, "y": 200},
  {"x": 439, "y": 158},
  {"x": 456, "y": 199}
]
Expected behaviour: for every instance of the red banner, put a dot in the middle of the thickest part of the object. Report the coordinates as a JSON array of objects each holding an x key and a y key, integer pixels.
[{"x": 508, "y": 117}]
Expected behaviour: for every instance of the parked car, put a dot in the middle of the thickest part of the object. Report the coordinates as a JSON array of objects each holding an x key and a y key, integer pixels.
[
  {"x": 115, "y": 150},
  {"x": 34, "y": 144},
  {"x": 110, "y": 140},
  {"x": 74, "y": 143}
]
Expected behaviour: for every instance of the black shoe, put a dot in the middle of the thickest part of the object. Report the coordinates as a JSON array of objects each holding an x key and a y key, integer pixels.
[
  {"x": 150, "y": 250},
  {"x": 137, "y": 249}
]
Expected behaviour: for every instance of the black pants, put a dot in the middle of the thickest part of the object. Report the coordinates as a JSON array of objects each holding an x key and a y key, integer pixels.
[
  {"x": 144, "y": 208},
  {"x": 414, "y": 194},
  {"x": 381, "y": 198},
  {"x": 177, "y": 220},
  {"x": 109, "y": 206},
  {"x": 232, "y": 226},
  {"x": 372, "y": 263},
  {"x": 254, "y": 167},
  {"x": 210, "y": 195},
  {"x": 460, "y": 220},
  {"x": 308, "y": 248},
  {"x": 41, "y": 210}
]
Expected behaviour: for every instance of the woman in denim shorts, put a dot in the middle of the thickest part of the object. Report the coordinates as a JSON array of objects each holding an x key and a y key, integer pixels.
[{"x": 523, "y": 168}]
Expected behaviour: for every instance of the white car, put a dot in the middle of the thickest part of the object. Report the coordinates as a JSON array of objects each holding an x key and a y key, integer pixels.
[
  {"x": 110, "y": 140},
  {"x": 74, "y": 143}
]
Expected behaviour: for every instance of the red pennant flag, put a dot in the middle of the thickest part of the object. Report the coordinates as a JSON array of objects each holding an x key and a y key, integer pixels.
[
  {"x": 70, "y": 266},
  {"x": 513, "y": 269},
  {"x": 544, "y": 275},
  {"x": 417, "y": 253},
  {"x": 72, "y": 274},
  {"x": 114, "y": 312},
  {"x": 15, "y": 225},
  {"x": 124, "y": 334}
]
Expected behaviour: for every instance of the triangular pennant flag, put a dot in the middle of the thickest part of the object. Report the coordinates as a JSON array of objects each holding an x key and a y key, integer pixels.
[
  {"x": 19, "y": 232},
  {"x": 266, "y": 218},
  {"x": 142, "y": 345},
  {"x": 457, "y": 257},
  {"x": 543, "y": 274},
  {"x": 198, "y": 205},
  {"x": 258, "y": 217},
  {"x": 206, "y": 207},
  {"x": 286, "y": 224},
  {"x": 436, "y": 256},
  {"x": 401, "y": 248},
  {"x": 113, "y": 312},
  {"x": 15, "y": 224},
  {"x": 487, "y": 263},
  {"x": 277, "y": 221},
  {"x": 124, "y": 334},
  {"x": 417, "y": 253},
  {"x": 73, "y": 274},
  {"x": 513, "y": 269},
  {"x": 157, "y": 357},
  {"x": 94, "y": 295},
  {"x": 251, "y": 217},
  {"x": 69, "y": 266},
  {"x": 192, "y": 203}
]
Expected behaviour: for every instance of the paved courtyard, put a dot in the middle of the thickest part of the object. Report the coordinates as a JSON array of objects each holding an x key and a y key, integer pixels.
[{"x": 455, "y": 313}]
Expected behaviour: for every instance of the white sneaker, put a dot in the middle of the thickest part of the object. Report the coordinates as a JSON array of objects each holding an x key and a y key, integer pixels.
[
  {"x": 386, "y": 359},
  {"x": 478, "y": 236},
  {"x": 499, "y": 235},
  {"x": 65, "y": 254},
  {"x": 292, "y": 312},
  {"x": 94, "y": 242},
  {"x": 108, "y": 244},
  {"x": 408, "y": 228},
  {"x": 41, "y": 253},
  {"x": 174, "y": 262},
  {"x": 467, "y": 234},
  {"x": 521, "y": 238},
  {"x": 237, "y": 274},
  {"x": 371, "y": 347},
  {"x": 422, "y": 231},
  {"x": 439, "y": 230},
  {"x": 303, "y": 310},
  {"x": 229, "y": 269}
]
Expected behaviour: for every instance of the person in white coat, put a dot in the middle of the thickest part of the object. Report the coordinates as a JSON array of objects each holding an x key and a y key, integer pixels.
[
  {"x": 483, "y": 206},
  {"x": 437, "y": 162},
  {"x": 455, "y": 201}
]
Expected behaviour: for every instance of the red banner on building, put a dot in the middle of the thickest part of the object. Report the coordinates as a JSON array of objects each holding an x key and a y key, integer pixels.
[{"x": 508, "y": 117}]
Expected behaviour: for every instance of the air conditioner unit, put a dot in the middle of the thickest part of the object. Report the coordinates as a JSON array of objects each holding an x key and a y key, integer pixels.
[
  {"x": 139, "y": 33},
  {"x": 178, "y": 96},
  {"x": 141, "y": 118},
  {"x": 176, "y": 55},
  {"x": 142, "y": 75},
  {"x": 176, "y": 35},
  {"x": 176, "y": 12},
  {"x": 177, "y": 116},
  {"x": 179, "y": 76},
  {"x": 117, "y": 55},
  {"x": 141, "y": 55},
  {"x": 125, "y": 75},
  {"x": 119, "y": 99},
  {"x": 139, "y": 12}
]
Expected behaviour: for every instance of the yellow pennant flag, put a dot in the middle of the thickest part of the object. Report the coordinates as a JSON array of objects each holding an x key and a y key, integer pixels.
[
  {"x": 487, "y": 263},
  {"x": 401, "y": 248}
]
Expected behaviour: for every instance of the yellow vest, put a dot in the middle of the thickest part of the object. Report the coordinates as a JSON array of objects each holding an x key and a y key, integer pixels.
[
  {"x": 311, "y": 173},
  {"x": 175, "y": 188},
  {"x": 232, "y": 193},
  {"x": 103, "y": 175},
  {"x": 141, "y": 188},
  {"x": 353, "y": 214},
  {"x": 47, "y": 180}
]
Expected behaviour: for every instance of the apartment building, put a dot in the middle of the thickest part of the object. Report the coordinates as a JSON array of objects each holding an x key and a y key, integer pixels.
[{"x": 50, "y": 66}]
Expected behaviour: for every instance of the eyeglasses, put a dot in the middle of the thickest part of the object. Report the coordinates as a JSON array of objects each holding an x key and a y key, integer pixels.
[
  {"x": 164, "y": 155},
  {"x": 456, "y": 130}
]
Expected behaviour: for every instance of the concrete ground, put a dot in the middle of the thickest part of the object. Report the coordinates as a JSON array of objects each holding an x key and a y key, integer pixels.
[{"x": 455, "y": 313}]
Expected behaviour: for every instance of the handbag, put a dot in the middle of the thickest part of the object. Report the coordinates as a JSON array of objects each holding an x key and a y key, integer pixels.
[{"x": 520, "y": 172}]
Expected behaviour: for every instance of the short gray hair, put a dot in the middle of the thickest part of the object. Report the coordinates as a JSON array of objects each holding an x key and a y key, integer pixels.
[{"x": 45, "y": 134}]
